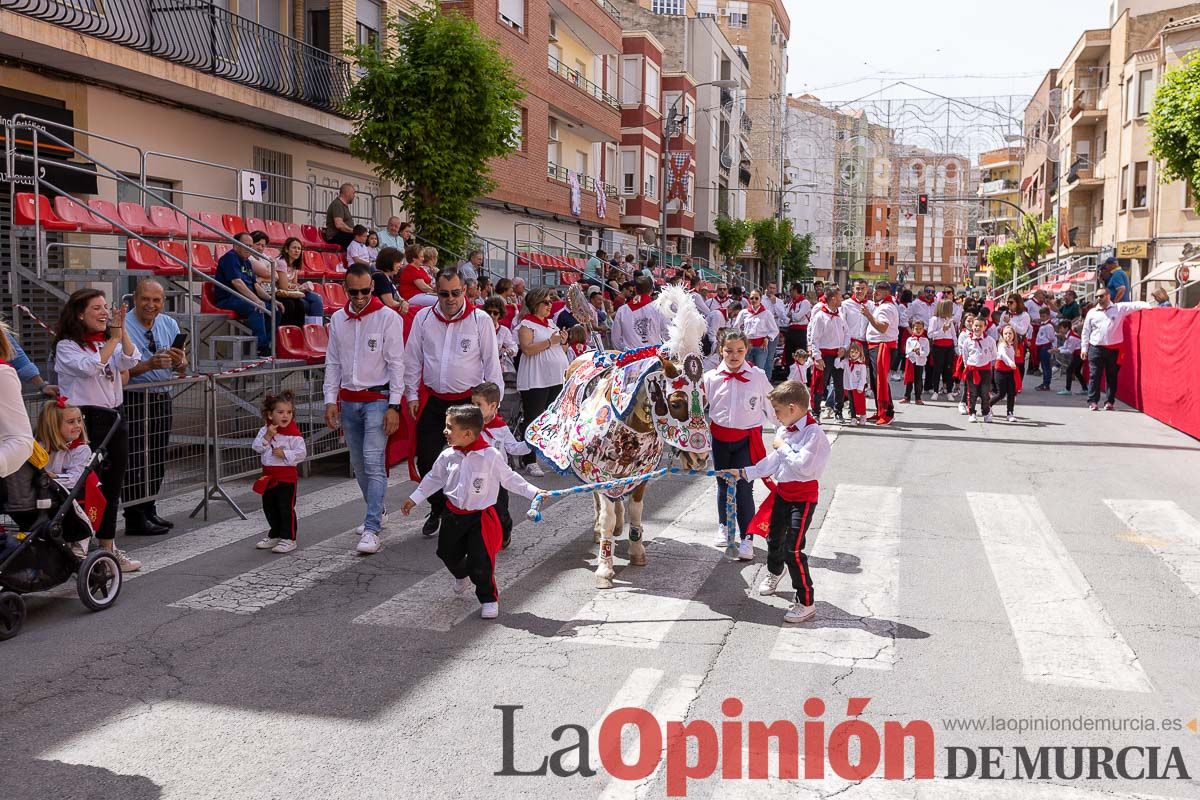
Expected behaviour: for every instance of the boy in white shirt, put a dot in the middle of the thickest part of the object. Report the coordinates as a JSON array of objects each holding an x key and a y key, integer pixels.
[
  {"x": 486, "y": 397},
  {"x": 916, "y": 355},
  {"x": 800, "y": 455},
  {"x": 1044, "y": 342},
  {"x": 357, "y": 251},
  {"x": 1070, "y": 348}
]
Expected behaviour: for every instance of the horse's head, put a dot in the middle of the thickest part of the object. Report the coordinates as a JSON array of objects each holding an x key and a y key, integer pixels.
[{"x": 678, "y": 408}]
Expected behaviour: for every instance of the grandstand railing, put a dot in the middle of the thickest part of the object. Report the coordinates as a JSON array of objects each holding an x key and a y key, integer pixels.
[{"x": 202, "y": 35}]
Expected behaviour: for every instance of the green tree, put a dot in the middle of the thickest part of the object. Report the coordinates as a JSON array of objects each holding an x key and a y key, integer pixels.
[
  {"x": 732, "y": 235},
  {"x": 1175, "y": 125},
  {"x": 1002, "y": 258},
  {"x": 1032, "y": 240},
  {"x": 430, "y": 112},
  {"x": 797, "y": 260},
  {"x": 772, "y": 239}
]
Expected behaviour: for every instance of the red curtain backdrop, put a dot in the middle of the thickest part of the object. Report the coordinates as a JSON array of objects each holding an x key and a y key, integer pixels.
[{"x": 1159, "y": 373}]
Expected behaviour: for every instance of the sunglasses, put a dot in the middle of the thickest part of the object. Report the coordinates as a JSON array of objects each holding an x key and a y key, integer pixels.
[
  {"x": 448, "y": 293},
  {"x": 358, "y": 292}
]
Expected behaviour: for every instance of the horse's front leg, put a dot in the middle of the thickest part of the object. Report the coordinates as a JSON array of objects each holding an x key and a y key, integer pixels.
[
  {"x": 604, "y": 569},
  {"x": 637, "y": 548}
]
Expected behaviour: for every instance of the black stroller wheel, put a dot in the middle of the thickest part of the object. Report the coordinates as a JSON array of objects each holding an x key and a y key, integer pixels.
[
  {"x": 99, "y": 580},
  {"x": 12, "y": 614}
]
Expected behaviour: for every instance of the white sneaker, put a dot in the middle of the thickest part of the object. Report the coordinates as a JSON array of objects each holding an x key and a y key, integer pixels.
[
  {"x": 722, "y": 537},
  {"x": 799, "y": 613},
  {"x": 987, "y": 417},
  {"x": 770, "y": 584},
  {"x": 962, "y": 408},
  {"x": 859, "y": 421},
  {"x": 1012, "y": 418},
  {"x": 534, "y": 470},
  {"x": 361, "y": 529},
  {"x": 933, "y": 396},
  {"x": 284, "y": 546},
  {"x": 80, "y": 549},
  {"x": 972, "y": 418},
  {"x": 746, "y": 549},
  {"x": 267, "y": 543},
  {"x": 461, "y": 585},
  {"x": 828, "y": 413},
  {"x": 489, "y": 611},
  {"x": 126, "y": 563},
  {"x": 368, "y": 544}
]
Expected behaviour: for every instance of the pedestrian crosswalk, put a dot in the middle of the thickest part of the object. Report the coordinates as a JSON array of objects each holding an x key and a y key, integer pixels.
[{"x": 1171, "y": 534}]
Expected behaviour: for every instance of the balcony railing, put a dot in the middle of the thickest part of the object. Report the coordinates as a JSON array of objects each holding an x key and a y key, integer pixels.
[
  {"x": 612, "y": 10},
  {"x": 746, "y": 123},
  {"x": 205, "y": 37},
  {"x": 557, "y": 172},
  {"x": 575, "y": 77},
  {"x": 997, "y": 187}
]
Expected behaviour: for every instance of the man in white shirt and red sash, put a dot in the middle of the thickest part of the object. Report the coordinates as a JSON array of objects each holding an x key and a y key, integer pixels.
[
  {"x": 883, "y": 332},
  {"x": 856, "y": 309},
  {"x": 1100, "y": 345},
  {"x": 451, "y": 349},
  {"x": 639, "y": 323},
  {"x": 364, "y": 386},
  {"x": 795, "y": 329}
]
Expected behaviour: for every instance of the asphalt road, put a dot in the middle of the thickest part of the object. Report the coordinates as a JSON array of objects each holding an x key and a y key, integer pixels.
[{"x": 1043, "y": 570}]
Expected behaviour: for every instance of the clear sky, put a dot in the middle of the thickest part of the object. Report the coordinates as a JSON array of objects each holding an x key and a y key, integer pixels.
[{"x": 843, "y": 49}]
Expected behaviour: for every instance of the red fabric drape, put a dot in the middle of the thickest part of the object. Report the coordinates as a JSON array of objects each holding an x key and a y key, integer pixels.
[{"x": 1158, "y": 374}]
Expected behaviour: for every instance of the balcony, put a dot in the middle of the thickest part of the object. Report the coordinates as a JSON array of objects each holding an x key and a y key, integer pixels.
[
  {"x": 612, "y": 10},
  {"x": 207, "y": 38},
  {"x": 1002, "y": 186},
  {"x": 576, "y": 79},
  {"x": 1083, "y": 175},
  {"x": 559, "y": 173},
  {"x": 1084, "y": 107}
]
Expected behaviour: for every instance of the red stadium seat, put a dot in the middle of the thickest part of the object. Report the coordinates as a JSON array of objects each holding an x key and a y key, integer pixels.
[
  {"x": 221, "y": 248},
  {"x": 31, "y": 208},
  {"x": 139, "y": 255},
  {"x": 202, "y": 258},
  {"x": 70, "y": 211},
  {"x": 568, "y": 277},
  {"x": 212, "y": 221},
  {"x": 165, "y": 218},
  {"x": 134, "y": 218},
  {"x": 335, "y": 265},
  {"x": 291, "y": 344},
  {"x": 291, "y": 230},
  {"x": 312, "y": 238},
  {"x": 276, "y": 232},
  {"x": 108, "y": 209},
  {"x": 316, "y": 338},
  {"x": 255, "y": 224},
  {"x": 312, "y": 266},
  {"x": 209, "y": 306},
  {"x": 335, "y": 297},
  {"x": 170, "y": 266},
  {"x": 233, "y": 224}
]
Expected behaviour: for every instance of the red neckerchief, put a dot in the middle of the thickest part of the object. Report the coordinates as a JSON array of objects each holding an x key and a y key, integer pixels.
[
  {"x": 291, "y": 429},
  {"x": 478, "y": 444},
  {"x": 374, "y": 305},
  {"x": 921, "y": 335},
  {"x": 887, "y": 299},
  {"x": 739, "y": 376},
  {"x": 761, "y": 308},
  {"x": 808, "y": 420},
  {"x": 638, "y": 301},
  {"x": 828, "y": 311},
  {"x": 94, "y": 340},
  {"x": 437, "y": 312},
  {"x": 1072, "y": 335},
  {"x": 545, "y": 323},
  {"x": 79, "y": 442},
  {"x": 794, "y": 304},
  {"x": 496, "y": 422}
]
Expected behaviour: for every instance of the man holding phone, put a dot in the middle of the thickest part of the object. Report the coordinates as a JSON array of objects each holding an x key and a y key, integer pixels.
[{"x": 147, "y": 408}]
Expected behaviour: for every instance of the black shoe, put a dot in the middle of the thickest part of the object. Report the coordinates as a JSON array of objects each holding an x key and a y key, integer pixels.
[
  {"x": 506, "y": 541},
  {"x": 157, "y": 520},
  {"x": 430, "y": 528},
  {"x": 144, "y": 527}
]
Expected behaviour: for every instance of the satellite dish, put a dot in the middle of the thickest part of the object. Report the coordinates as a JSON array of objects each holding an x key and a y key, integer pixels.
[
  {"x": 649, "y": 236},
  {"x": 726, "y": 161}
]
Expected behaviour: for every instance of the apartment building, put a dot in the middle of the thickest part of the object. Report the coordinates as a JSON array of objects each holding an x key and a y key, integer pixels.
[
  {"x": 1000, "y": 189},
  {"x": 1039, "y": 162},
  {"x": 810, "y": 175}
]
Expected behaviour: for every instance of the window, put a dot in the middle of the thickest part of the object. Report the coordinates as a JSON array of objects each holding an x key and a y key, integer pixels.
[
  {"x": 672, "y": 99},
  {"x": 651, "y": 175},
  {"x": 629, "y": 174},
  {"x": 520, "y": 119},
  {"x": 1129, "y": 95},
  {"x": 1124, "y": 187},
  {"x": 739, "y": 14},
  {"x": 631, "y": 80},
  {"x": 706, "y": 8},
  {"x": 652, "y": 85},
  {"x": 610, "y": 164},
  {"x": 670, "y": 7},
  {"x": 553, "y": 145},
  {"x": 689, "y": 111},
  {"x": 1141, "y": 180},
  {"x": 581, "y": 162},
  {"x": 512, "y": 14},
  {"x": 276, "y": 169},
  {"x": 1145, "y": 88},
  {"x": 368, "y": 23}
]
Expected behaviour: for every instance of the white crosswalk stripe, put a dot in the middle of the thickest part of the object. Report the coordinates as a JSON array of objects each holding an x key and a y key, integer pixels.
[
  {"x": 1064, "y": 635},
  {"x": 1170, "y": 532},
  {"x": 634, "y": 693},
  {"x": 856, "y": 616}
]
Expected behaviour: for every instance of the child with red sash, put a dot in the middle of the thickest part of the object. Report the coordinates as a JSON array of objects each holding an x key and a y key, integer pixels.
[
  {"x": 486, "y": 397},
  {"x": 960, "y": 373},
  {"x": 1070, "y": 347},
  {"x": 801, "y": 368},
  {"x": 916, "y": 355},
  {"x": 801, "y": 451},
  {"x": 857, "y": 377},
  {"x": 1008, "y": 370},
  {"x": 737, "y": 408},
  {"x": 470, "y": 474},
  {"x": 62, "y": 433},
  {"x": 1043, "y": 347},
  {"x": 281, "y": 446},
  {"x": 979, "y": 355}
]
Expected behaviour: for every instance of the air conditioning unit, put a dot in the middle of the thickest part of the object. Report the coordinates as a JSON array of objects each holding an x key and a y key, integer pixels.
[{"x": 553, "y": 30}]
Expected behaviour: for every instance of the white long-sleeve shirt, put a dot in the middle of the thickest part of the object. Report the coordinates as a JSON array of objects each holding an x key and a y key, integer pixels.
[
  {"x": 16, "y": 434},
  {"x": 451, "y": 357},
  {"x": 87, "y": 381},
  {"x": 502, "y": 439},
  {"x": 919, "y": 309},
  {"x": 757, "y": 326},
  {"x": 292, "y": 447},
  {"x": 364, "y": 352},
  {"x": 941, "y": 330},
  {"x": 856, "y": 317},
  {"x": 800, "y": 457},
  {"x": 828, "y": 330},
  {"x": 779, "y": 308},
  {"x": 856, "y": 377},
  {"x": 67, "y": 465},
  {"x": 472, "y": 480},
  {"x": 1102, "y": 326},
  {"x": 916, "y": 350},
  {"x": 1071, "y": 344},
  {"x": 638, "y": 327},
  {"x": 737, "y": 404},
  {"x": 979, "y": 352},
  {"x": 799, "y": 313},
  {"x": 885, "y": 313},
  {"x": 1045, "y": 336},
  {"x": 1020, "y": 322}
]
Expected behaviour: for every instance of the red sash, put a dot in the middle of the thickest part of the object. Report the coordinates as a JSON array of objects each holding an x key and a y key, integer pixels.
[
  {"x": 273, "y": 476},
  {"x": 760, "y": 341},
  {"x": 958, "y": 368},
  {"x": 1016, "y": 373},
  {"x": 791, "y": 491},
  {"x": 909, "y": 366},
  {"x": 489, "y": 529}
]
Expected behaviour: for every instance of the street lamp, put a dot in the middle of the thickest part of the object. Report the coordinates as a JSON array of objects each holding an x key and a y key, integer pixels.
[
  {"x": 1052, "y": 156},
  {"x": 666, "y": 159}
]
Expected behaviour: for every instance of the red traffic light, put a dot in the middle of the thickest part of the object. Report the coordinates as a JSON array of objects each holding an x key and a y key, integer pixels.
[{"x": 922, "y": 204}]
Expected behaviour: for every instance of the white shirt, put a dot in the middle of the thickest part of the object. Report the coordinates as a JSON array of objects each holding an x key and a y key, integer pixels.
[
  {"x": 1102, "y": 326},
  {"x": 1006, "y": 354},
  {"x": 757, "y": 326},
  {"x": 779, "y": 308},
  {"x": 801, "y": 456},
  {"x": 86, "y": 381},
  {"x": 942, "y": 330},
  {"x": 904, "y": 314},
  {"x": 855, "y": 377},
  {"x": 1071, "y": 344},
  {"x": 886, "y": 312},
  {"x": 958, "y": 313},
  {"x": 502, "y": 439},
  {"x": 359, "y": 250},
  {"x": 716, "y": 304},
  {"x": 1020, "y": 322},
  {"x": 1034, "y": 308},
  {"x": 543, "y": 369},
  {"x": 919, "y": 309},
  {"x": 916, "y": 350},
  {"x": 292, "y": 446},
  {"x": 736, "y": 404},
  {"x": 67, "y": 465},
  {"x": 828, "y": 330},
  {"x": 634, "y": 328},
  {"x": 979, "y": 352},
  {"x": 1045, "y": 335},
  {"x": 798, "y": 372},
  {"x": 16, "y": 435},
  {"x": 365, "y": 352},
  {"x": 472, "y": 480},
  {"x": 856, "y": 320},
  {"x": 453, "y": 357},
  {"x": 799, "y": 313}
]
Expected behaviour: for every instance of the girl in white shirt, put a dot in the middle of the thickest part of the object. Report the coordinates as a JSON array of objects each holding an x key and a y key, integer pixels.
[
  {"x": 91, "y": 349},
  {"x": 1016, "y": 315},
  {"x": 942, "y": 332},
  {"x": 280, "y": 444},
  {"x": 60, "y": 431},
  {"x": 543, "y": 362}
]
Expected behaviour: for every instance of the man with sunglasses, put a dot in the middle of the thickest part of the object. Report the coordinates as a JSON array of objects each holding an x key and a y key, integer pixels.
[
  {"x": 1101, "y": 345},
  {"x": 451, "y": 349},
  {"x": 364, "y": 387}
]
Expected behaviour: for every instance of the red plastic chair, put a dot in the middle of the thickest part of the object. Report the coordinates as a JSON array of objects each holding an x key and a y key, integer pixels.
[
  {"x": 292, "y": 230},
  {"x": 169, "y": 266},
  {"x": 335, "y": 265},
  {"x": 335, "y": 297},
  {"x": 28, "y": 204},
  {"x": 271, "y": 253},
  {"x": 108, "y": 209},
  {"x": 290, "y": 343},
  {"x": 70, "y": 211},
  {"x": 312, "y": 238},
  {"x": 312, "y": 266},
  {"x": 233, "y": 224},
  {"x": 208, "y": 304},
  {"x": 255, "y": 224},
  {"x": 276, "y": 232},
  {"x": 316, "y": 338},
  {"x": 202, "y": 258},
  {"x": 140, "y": 256},
  {"x": 166, "y": 218},
  {"x": 210, "y": 219},
  {"x": 134, "y": 218}
]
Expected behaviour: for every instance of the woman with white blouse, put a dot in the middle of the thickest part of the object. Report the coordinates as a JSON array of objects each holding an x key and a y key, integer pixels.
[
  {"x": 543, "y": 362},
  {"x": 16, "y": 435},
  {"x": 761, "y": 328},
  {"x": 91, "y": 349}
]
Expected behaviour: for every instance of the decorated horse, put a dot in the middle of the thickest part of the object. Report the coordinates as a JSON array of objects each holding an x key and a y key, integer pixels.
[{"x": 618, "y": 412}]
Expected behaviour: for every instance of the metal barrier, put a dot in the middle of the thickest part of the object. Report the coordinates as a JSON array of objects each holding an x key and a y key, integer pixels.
[{"x": 168, "y": 438}]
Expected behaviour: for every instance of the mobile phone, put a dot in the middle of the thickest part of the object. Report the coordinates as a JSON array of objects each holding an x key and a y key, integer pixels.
[{"x": 181, "y": 341}]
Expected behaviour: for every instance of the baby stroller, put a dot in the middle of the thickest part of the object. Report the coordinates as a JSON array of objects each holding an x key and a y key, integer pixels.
[{"x": 37, "y": 557}]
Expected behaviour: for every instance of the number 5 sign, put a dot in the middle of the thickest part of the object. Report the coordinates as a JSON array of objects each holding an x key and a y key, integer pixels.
[{"x": 252, "y": 185}]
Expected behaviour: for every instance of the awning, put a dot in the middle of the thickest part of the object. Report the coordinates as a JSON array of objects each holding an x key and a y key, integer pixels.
[{"x": 1025, "y": 183}]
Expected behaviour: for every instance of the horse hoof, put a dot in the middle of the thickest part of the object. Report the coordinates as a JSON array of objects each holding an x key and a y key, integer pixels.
[
  {"x": 603, "y": 583},
  {"x": 637, "y": 560}
]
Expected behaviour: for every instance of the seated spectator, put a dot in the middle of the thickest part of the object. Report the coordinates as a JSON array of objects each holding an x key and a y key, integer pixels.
[
  {"x": 414, "y": 280},
  {"x": 27, "y": 371},
  {"x": 595, "y": 296},
  {"x": 373, "y": 246},
  {"x": 390, "y": 235},
  {"x": 357, "y": 252},
  {"x": 264, "y": 274},
  {"x": 1161, "y": 298},
  {"x": 472, "y": 267},
  {"x": 485, "y": 286},
  {"x": 519, "y": 293},
  {"x": 236, "y": 277},
  {"x": 384, "y": 279},
  {"x": 339, "y": 222},
  {"x": 301, "y": 305}
]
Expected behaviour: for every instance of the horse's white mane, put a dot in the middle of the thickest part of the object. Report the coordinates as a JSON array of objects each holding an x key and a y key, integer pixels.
[{"x": 687, "y": 326}]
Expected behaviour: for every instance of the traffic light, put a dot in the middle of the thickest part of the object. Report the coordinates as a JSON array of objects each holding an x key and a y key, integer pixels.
[{"x": 922, "y": 204}]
